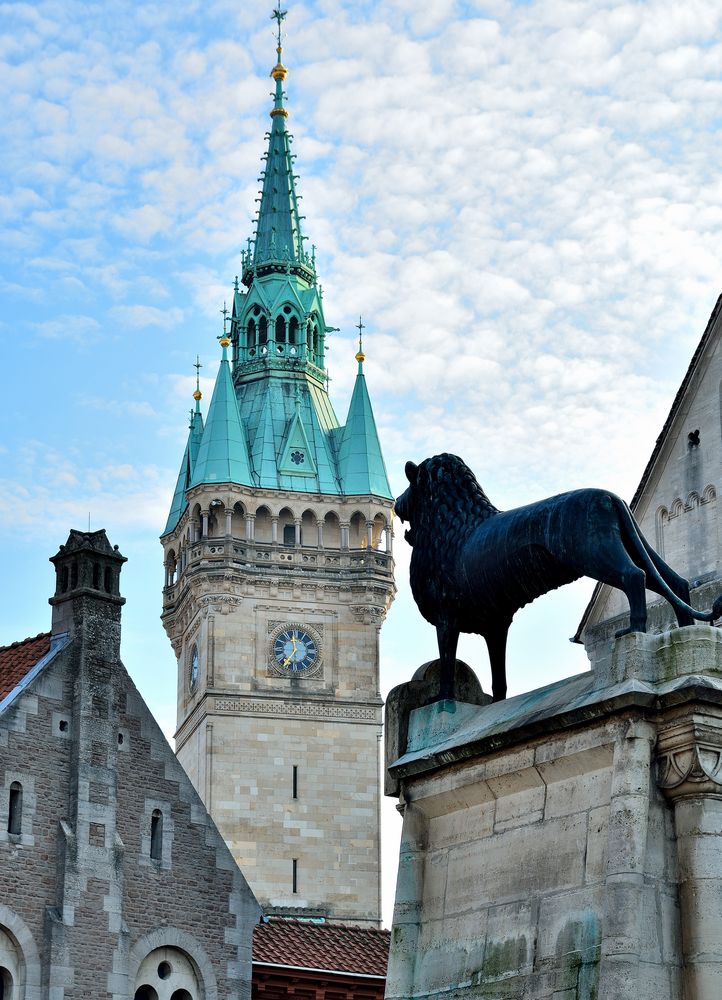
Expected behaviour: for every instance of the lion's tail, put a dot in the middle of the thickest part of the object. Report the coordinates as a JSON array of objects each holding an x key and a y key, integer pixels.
[{"x": 642, "y": 548}]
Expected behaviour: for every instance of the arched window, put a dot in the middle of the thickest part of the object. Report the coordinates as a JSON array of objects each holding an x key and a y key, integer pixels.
[
  {"x": 280, "y": 330},
  {"x": 181, "y": 995},
  {"x": 145, "y": 992},
  {"x": 251, "y": 337},
  {"x": 108, "y": 580},
  {"x": 6, "y": 983},
  {"x": 262, "y": 333},
  {"x": 15, "y": 808},
  {"x": 74, "y": 575},
  {"x": 293, "y": 330},
  {"x": 96, "y": 576},
  {"x": 156, "y": 835}
]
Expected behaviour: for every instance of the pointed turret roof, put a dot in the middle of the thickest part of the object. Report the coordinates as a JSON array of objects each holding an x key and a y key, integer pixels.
[
  {"x": 360, "y": 462},
  {"x": 223, "y": 452},
  {"x": 278, "y": 233},
  {"x": 185, "y": 474}
]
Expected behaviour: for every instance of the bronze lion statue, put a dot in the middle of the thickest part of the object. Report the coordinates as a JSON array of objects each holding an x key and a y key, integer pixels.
[{"x": 473, "y": 566}]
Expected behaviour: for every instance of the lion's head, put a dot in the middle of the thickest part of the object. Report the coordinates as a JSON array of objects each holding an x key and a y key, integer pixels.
[{"x": 442, "y": 503}]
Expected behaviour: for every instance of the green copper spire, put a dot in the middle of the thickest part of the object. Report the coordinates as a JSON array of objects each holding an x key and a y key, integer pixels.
[
  {"x": 278, "y": 233},
  {"x": 223, "y": 452},
  {"x": 190, "y": 455},
  {"x": 360, "y": 462}
]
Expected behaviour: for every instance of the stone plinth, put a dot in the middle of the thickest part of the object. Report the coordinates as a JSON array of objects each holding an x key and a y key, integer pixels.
[{"x": 567, "y": 843}]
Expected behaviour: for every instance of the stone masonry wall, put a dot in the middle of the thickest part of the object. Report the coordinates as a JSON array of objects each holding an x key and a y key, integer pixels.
[{"x": 504, "y": 888}]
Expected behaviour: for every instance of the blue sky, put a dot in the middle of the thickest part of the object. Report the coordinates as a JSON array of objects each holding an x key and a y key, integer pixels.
[{"x": 522, "y": 199}]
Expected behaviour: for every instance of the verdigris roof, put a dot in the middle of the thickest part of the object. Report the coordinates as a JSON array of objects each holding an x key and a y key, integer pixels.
[
  {"x": 223, "y": 452},
  {"x": 185, "y": 474},
  {"x": 360, "y": 463}
]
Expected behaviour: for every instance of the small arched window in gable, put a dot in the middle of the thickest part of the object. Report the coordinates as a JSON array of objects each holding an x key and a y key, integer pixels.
[
  {"x": 262, "y": 332},
  {"x": 145, "y": 992},
  {"x": 15, "y": 808},
  {"x": 74, "y": 574},
  {"x": 156, "y": 835},
  {"x": 251, "y": 336},
  {"x": 108, "y": 580}
]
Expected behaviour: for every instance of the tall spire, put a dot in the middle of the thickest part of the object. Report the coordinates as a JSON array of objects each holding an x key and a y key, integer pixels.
[
  {"x": 278, "y": 231},
  {"x": 185, "y": 475}
]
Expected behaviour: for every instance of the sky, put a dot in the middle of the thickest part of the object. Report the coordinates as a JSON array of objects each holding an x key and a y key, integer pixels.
[{"x": 522, "y": 200}]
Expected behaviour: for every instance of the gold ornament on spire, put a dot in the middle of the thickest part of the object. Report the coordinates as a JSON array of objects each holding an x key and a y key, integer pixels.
[
  {"x": 198, "y": 395},
  {"x": 360, "y": 356}
]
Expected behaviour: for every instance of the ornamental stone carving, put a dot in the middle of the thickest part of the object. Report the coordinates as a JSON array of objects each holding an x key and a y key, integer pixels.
[{"x": 689, "y": 757}]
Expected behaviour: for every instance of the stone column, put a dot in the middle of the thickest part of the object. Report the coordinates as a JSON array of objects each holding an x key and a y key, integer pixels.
[
  {"x": 250, "y": 520},
  {"x": 344, "y": 535},
  {"x": 274, "y": 530},
  {"x": 229, "y": 518},
  {"x": 621, "y": 943},
  {"x": 204, "y": 529},
  {"x": 689, "y": 769},
  {"x": 408, "y": 904},
  {"x": 370, "y": 534},
  {"x": 297, "y": 525},
  {"x": 319, "y": 525}
]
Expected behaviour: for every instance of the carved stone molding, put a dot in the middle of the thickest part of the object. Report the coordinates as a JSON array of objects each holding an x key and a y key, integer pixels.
[
  {"x": 368, "y": 614},
  {"x": 689, "y": 757},
  {"x": 304, "y": 710}
]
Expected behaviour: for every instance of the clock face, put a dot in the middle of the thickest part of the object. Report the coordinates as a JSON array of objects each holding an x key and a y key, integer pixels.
[
  {"x": 294, "y": 649},
  {"x": 195, "y": 669}
]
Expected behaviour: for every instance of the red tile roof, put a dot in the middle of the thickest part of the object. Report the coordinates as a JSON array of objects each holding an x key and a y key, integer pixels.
[
  {"x": 18, "y": 658},
  {"x": 307, "y": 945}
]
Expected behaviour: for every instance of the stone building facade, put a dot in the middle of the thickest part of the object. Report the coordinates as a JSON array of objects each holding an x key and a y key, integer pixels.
[
  {"x": 676, "y": 502},
  {"x": 565, "y": 844},
  {"x": 279, "y": 574},
  {"x": 116, "y": 882}
]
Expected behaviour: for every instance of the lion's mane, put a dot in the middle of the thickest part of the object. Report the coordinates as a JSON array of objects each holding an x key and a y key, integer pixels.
[{"x": 448, "y": 503}]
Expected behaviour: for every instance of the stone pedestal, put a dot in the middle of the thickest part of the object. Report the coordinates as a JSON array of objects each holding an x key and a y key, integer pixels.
[{"x": 566, "y": 844}]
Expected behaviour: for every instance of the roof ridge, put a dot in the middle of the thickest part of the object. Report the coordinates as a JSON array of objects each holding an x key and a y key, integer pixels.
[{"x": 30, "y": 638}]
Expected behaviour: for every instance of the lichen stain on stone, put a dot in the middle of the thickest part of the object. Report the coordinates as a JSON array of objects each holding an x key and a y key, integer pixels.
[{"x": 504, "y": 958}]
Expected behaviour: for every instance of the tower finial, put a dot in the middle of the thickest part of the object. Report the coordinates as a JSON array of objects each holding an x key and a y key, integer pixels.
[
  {"x": 224, "y": 340},
  {"x": 198, "y": 395},
  {"x": 360, "y": 356},
  {"x": 279, "y": 71}
]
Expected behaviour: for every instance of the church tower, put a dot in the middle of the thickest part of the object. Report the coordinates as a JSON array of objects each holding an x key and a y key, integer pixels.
[{"x": 279, "y": 574}]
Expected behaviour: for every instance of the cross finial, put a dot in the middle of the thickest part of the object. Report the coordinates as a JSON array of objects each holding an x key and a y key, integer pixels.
[
  {"x": 197, "y": 395},
  {"x": 360, "y": 356},
  {"x": 278, "y": 15},
  {"x": 225, "y": 314}
]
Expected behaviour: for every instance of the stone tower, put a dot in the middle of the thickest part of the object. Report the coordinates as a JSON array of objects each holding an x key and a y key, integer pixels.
[{"x": 279, "y": 574}]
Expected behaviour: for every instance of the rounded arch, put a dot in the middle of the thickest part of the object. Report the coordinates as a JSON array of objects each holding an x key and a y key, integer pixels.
[
  {"x": 263, "y": 528},
  {"x": 177, "y": 940},
  {"x": 332, "y": 530},
  {"x": 693, "y": 499},
  {"x": 309, "y": 528},
  {"x": 19, "y": 936},
  {"x": 216, "y": 518},
  {"x": 710, "y": 493},
  {"x": 357, "y": 534},
  {"x": 238, "y": 520},
  {"x": 677, "y": 508},
  {"x": 379, "y": 526},
  {"x": 286, "y": 526}
]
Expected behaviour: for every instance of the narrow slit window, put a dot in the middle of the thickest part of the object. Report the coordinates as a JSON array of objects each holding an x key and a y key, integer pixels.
[
  {"x": 156, "y": 835},
  {"x": 15, "y": 808},
  {"x": 295, "y": 781},
  {"x": 294, "y": 876}
]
